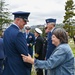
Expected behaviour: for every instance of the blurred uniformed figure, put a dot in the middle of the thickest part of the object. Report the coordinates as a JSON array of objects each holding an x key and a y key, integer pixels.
[
  {"x": 50, "y": 28},
  {"x": 2, "y": 56},
  {"x": 38, "y": 48},
  {"x": 45, "y": 43},
  {"x": 30, "y": 38},
  {"x": 14, "y": 45}
]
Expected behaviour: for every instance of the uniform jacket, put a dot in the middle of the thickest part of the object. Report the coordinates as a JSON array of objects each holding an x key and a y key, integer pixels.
[
  {"x": 50, "y": 46},
  {"x": 1, "y": 49},
  {"x": 14, "y": 45},
  {"x": 2, "y": 56},
  {"x": 61, "y": 62},
  {"x": 39, "y": 47},
  {"x": 31, "y": 41}
]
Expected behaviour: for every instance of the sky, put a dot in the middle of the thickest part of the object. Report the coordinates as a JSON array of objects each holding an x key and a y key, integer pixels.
[{"x": 40, "y": 10}]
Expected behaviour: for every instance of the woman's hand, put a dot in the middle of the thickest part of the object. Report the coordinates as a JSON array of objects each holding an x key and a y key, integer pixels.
[{"x": 28, "y": 58}]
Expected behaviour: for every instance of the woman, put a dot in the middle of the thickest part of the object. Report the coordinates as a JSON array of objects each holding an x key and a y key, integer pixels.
[{"x": 62, "y": 59}]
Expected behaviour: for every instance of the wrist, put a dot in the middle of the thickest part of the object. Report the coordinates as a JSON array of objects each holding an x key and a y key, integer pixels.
[{"x": 32, "y": 61}]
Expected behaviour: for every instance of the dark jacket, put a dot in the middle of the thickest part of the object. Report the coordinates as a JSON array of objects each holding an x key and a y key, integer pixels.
[
  {"x": 39, "y": 47},
  {"x": 2, "y": 56},
  {"x": 1, "y": 49},
  {"x": 14, "y": 45},
  {"x": 31, "y": 41}
]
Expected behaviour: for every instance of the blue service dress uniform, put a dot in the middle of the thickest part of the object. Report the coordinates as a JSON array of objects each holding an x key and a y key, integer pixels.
[
  {"x": 30, "y": 38},
  {"x": 31, "y": 41},
  {"x": 50, "y": 46},
  {"x": 14, "y": 45},
  {"x": 1, "y": 55}
]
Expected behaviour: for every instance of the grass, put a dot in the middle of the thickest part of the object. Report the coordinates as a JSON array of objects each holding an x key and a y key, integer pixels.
[
  {"x": 72, "y": 45},
  {"x": 33, "y": 72}
]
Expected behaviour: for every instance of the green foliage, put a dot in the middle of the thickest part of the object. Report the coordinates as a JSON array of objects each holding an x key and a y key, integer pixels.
[
  {"x": 70, "y": 29},
  {"x": 4, "y": 14},
  {"x": 69, "y": 8},
  {"x": 68, "y": 18},
  {"x": 72, "y": 45},
  {"x": 44, "y": 34}
]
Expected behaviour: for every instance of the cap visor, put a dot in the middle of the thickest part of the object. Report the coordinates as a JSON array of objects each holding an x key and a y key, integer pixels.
[{"x": 26, "y": 20}]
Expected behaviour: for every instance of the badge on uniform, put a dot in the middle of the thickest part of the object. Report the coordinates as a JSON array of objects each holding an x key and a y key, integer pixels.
[{"x": 30, "y": 36}]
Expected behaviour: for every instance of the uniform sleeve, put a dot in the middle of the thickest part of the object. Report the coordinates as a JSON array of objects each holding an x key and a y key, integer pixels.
[
  {"x": 21, "y": 44},
  {"x": 55, "y": 60}
]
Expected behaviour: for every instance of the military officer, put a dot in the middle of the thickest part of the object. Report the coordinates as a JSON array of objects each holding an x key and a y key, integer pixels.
[
  {"x": 14, "y": 45},
  {"x": 38, "y": 48},
  {"x": 50, "y": 28},
  {"x": 30, "y": 38}
]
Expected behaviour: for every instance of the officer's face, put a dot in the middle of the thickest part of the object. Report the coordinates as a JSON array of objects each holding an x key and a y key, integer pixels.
[
  {"x": 22, "y": 23},
  {"x": 47, "y": 30},
  {"x": 36, "y": 34},
  {"x": 49, "y": 27},
  {"x": 55, "y": 40},
  {"x": 27, "y": 31}
]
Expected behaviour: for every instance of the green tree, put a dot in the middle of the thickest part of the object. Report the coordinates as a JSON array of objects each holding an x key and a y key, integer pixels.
[
  {"x": 4, "y": 14},
  {"x": 68, "y": 18}
]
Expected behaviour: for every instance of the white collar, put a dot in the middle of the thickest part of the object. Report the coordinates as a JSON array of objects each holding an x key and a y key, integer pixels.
[
  {"x": 52, "y": 30},
  {"x": 16, "y": 25}
]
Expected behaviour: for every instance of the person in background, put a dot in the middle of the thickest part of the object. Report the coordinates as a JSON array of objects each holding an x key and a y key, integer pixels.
[
  {"x": 2, "y": 56},
  {"x": 38, "y": 48},
  {"x": 61, "y": 61},
  {"x": 50, "y": 27},
  {"x": 30, "y": 38},
  {"x": 45, "y": 43},
  {"x": 14, "y": 45}
]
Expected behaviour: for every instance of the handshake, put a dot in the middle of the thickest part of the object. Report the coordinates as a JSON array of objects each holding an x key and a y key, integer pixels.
[{"x": 28, "y": 59}]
